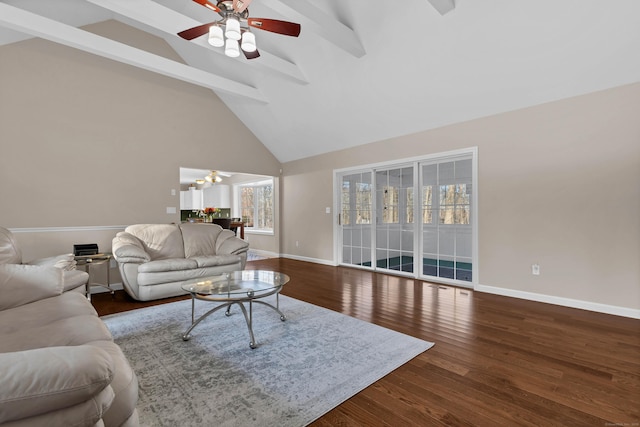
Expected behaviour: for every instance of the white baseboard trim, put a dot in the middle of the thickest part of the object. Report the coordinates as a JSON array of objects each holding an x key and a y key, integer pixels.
[
  {"x": 530, "y": 296},
  {"x": 265, "y": 254},
  {"x": 316, "y": 260},
  {"x": 566, "y": 302}
]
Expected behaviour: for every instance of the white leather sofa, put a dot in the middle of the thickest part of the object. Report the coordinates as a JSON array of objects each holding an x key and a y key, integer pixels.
[
  {"x": 58, "y": 363},
  {"x": 156, "y": 259},
  {"x": 10, "y": 253}
]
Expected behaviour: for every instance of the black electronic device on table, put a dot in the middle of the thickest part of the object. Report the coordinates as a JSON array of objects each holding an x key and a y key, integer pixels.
[{"x": 87, "y": 249}]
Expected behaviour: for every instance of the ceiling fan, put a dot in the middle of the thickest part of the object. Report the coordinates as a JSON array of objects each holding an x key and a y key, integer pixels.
[
  {"x": 213, "y": 177},
  {"x": 233, "y": 31}
]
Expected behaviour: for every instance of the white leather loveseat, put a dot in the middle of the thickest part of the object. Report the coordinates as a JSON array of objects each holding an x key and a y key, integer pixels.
[
  {"x": 59, "y": 366},
  {"x": 155, "y": 259}
]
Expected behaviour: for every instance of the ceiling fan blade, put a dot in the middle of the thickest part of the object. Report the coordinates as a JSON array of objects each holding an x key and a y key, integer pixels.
[
  {"x": 208, "y": 4},
  {"x": 251, "y": 55},
  {"x": 275, "y": 26},
  {"x": 241, "y": 5},
  {"x": 195, "y": 32}
]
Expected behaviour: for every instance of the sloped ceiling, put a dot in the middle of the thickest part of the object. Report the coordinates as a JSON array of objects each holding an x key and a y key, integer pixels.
[{"x": 363, "y": 71}]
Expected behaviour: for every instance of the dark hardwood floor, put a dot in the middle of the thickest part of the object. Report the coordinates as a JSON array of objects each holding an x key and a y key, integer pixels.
[{"x": 497, "y": 360}]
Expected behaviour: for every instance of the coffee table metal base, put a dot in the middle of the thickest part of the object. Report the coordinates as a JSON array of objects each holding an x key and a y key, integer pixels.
[{"x": 247, "y": 316}]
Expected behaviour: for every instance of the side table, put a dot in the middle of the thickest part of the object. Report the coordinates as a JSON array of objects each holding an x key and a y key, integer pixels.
[{"x": 90, "y": 262}]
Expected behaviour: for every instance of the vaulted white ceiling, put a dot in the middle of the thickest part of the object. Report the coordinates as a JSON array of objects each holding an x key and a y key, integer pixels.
[{"x": 361, "y": 70}]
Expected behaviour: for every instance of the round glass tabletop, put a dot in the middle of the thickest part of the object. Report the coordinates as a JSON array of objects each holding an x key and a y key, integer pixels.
[{"x": 236, "y": 284}]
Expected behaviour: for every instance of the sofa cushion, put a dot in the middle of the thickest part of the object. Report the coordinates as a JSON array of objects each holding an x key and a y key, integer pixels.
[
  {"x": 68, "y": 376},
  {"x": 173, "y": 264},
  {"x": 80, "y": 415},
  {"x": 43, "y": 312},
  {"x": 22, "y": 284},
  {"x": 160, "y": 241},
  {"x": 124, "y": 385},
  {"x": 178, "y": 276},
  {"x": 210, "y": 261},
  {"x": 69, "y": 331},
  {"x": 199, "y": 239}
]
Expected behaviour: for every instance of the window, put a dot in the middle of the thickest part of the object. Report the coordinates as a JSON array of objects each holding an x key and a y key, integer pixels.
[
  {"x": 389, "y": 205},
  {"x": 356, "y": 200},
  {"x": 427, "y": 204},
  {"x": 409, "y": 206},
  {"x": 395, "y": 195},
  {"x": 454, "y": 204},
  {"x": 256, "y": 205}
]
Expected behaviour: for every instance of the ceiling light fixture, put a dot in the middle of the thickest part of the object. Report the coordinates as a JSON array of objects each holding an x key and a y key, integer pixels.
[
  {"x": 230, "y": 36},
  {"x": 213, "y": 176},
  {"x": 216, "y": 36},
  {"x": 235, "y": 26},
  {"x": 231, "y": 48},
  {"x": 248, "y": 42},
  {"x": 232, "y": 30},
  {"x": 229, "y": 32}
]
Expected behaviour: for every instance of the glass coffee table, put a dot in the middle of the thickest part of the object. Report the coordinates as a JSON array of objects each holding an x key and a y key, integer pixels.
[{"x": 237, "y": 287}]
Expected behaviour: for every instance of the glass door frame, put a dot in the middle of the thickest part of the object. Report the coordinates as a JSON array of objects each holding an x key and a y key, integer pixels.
[
  {"x": 417, "y": 243},
  {"x": 401, "y": 226}
]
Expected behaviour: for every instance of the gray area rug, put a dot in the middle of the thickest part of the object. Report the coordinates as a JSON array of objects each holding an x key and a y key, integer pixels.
[{"x": 302, "y": 368}]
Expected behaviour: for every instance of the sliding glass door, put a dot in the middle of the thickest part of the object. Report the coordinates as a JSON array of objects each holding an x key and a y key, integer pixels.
[
  {"x": 446, "y": 195},
  {"x": 395, "y": 225},
  {"x": 415, "y": 218},
  {"x": 356, "y": 218}
]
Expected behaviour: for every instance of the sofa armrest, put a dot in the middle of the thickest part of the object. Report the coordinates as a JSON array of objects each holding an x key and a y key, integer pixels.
[
  {"x": 228, "y": 244},
  {"x": 74, "y": 279},
  {"x": 65, "y": 262},
  {"x": 48, "y": 379},
  {"x": 127, "y": 248},
  {"x": 22, "y": 284}
]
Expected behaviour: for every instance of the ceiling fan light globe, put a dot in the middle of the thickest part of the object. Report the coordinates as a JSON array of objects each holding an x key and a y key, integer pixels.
[
  {"x": 216, "y": 36},
  {"x": 231, "y": 48},
  {"x": 232, "y": 29},
  {"x": 248, "y": 42}
]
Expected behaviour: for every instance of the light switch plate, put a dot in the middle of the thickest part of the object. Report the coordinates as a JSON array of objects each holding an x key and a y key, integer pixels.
[{"x": 535, "y": 269}]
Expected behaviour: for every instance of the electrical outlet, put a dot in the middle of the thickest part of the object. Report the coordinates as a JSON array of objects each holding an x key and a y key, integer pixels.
[
  {"x": 297, "y": 244},
  {"x": 535, "y": 269}
]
